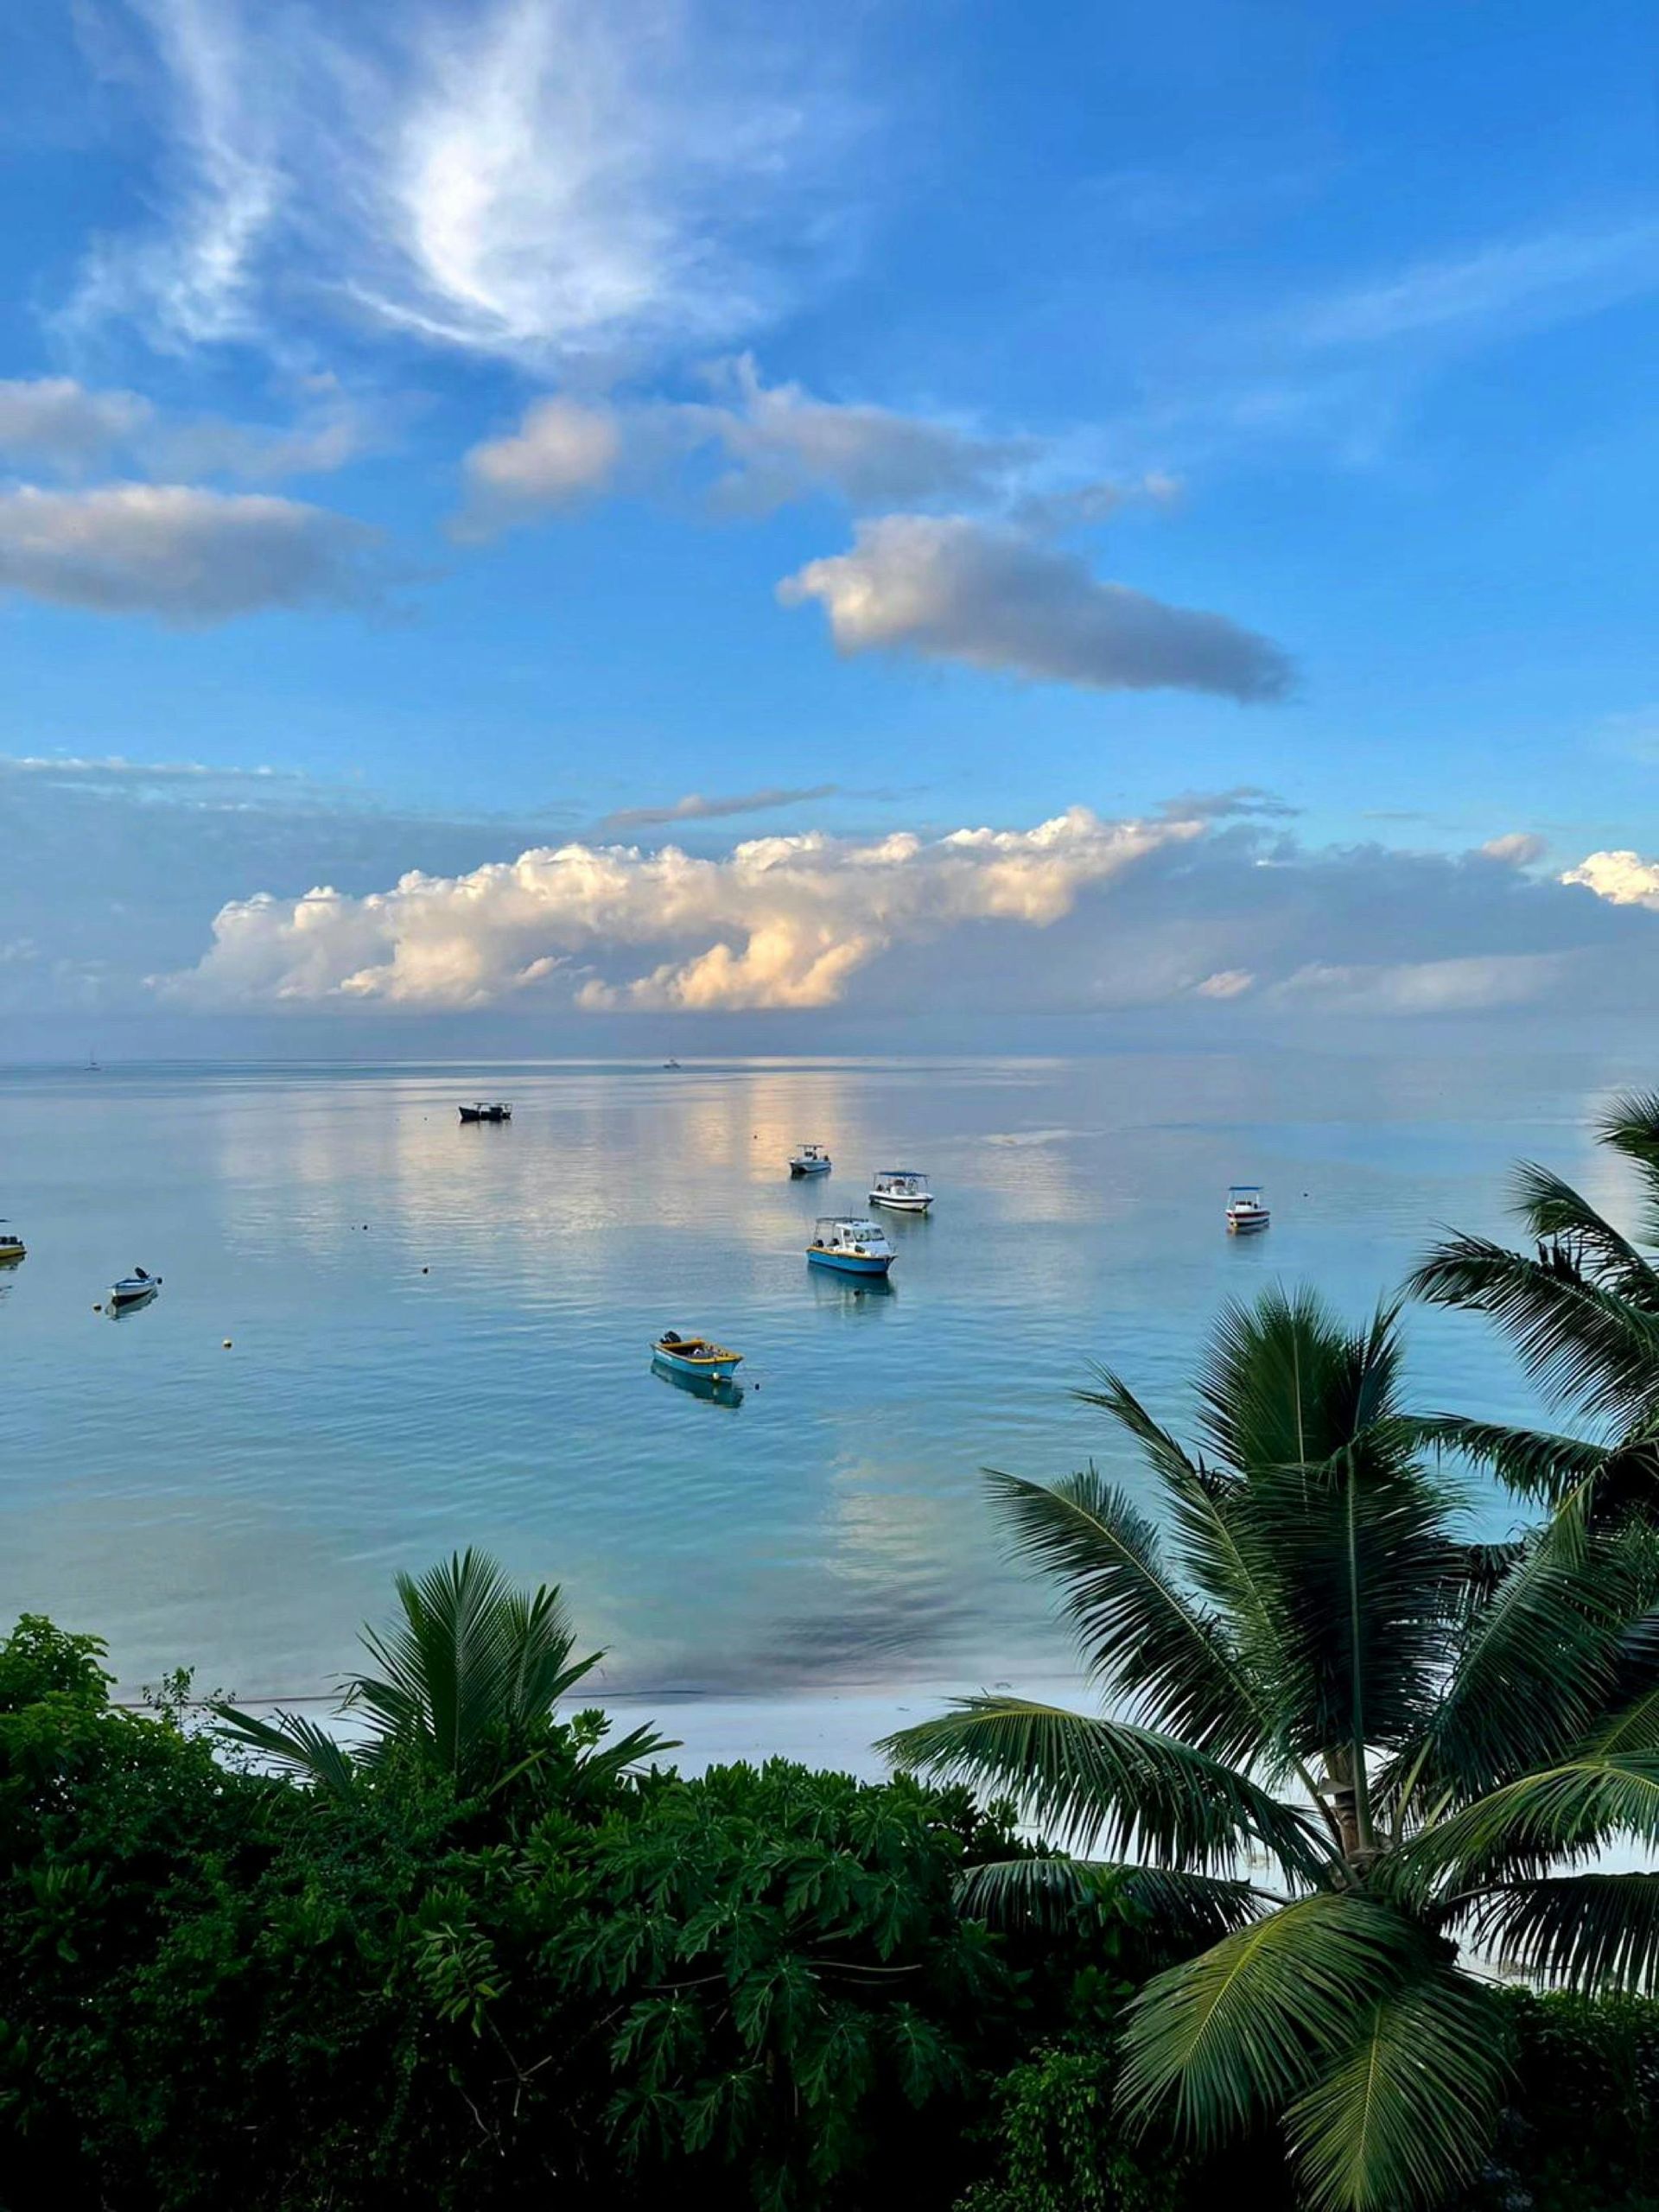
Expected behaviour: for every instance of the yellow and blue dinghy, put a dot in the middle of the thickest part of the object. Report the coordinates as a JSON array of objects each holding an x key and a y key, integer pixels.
[{"x": 696, "y": 1355}]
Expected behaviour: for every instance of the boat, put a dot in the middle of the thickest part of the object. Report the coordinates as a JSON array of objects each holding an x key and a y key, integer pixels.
[
  {"x": 671, "y": 1065},
  {"x": 12, "y": 1249},
  {"x": 481, "y": 1110},
  {"x": 1246, "y": 1211},
  {"x": 698, "y": 1356},
  {"x": 853, "y": 1247},
  {"x": 902, "y": 1190},
  {"x": 809, "y": 1160},
  {"x": 136, "y": 1289}
]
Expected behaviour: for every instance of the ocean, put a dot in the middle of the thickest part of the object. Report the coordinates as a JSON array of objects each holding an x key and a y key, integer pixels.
[{"x": 439, "y": 1336}]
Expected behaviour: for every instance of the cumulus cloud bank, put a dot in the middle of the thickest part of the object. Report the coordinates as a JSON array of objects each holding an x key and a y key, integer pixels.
[
  {"x": 782, "y": 922},
  {"x": 1623, "y": 878},
  {"x": 190, "y": 556},
  {"x": 70, "y": 429},
  {"x": 949, "y": 587}
]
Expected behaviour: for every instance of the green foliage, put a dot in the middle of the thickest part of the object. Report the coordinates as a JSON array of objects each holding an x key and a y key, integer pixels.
[{"x": 1449, "y": 1722}]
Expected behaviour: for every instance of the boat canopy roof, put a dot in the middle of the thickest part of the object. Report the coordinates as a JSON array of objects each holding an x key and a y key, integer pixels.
[
  {"x": 1243, "y": 1189},
  {"x": 900, "y": 1175}
]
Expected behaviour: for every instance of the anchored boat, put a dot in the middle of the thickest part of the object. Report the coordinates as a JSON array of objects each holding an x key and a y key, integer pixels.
[
  {"x": 136, "y": 1289},
  {"x": 482, "y": 1111},
  {"x": 12, "y": 1249},
  {"x": 1247, "y": 1211},
  {"x": 809, "y": 1160},
  {"x": 853, "y": 1248},
  {"x": 696, "y": 1355},
  {"x": 901, "y": 1190}
]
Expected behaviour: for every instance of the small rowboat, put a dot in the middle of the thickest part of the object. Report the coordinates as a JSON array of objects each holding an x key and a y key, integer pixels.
[
  {"x": 136, "y": 1289},
  {"x": 697, "y": 1356},
  {"x": 1246, "y": 1211}
]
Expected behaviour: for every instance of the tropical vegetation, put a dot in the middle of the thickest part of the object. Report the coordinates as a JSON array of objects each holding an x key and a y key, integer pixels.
[{"x": 1350, "y": 1738}]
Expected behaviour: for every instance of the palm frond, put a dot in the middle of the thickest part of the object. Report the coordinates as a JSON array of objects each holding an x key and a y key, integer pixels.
[
  {"x": 1556, "y": 1213},
  {"x": 1098, "y": 1785},
  {"x": 1283, "y": 1384},
  {"x": 1564, "y": 1812},
  {"x": 1048, "y": 1890},
  {"x": 1166, "y": 1659},
  {"x": 1258, "y": 2018},
  {"x": 1409, "y": 2110},
  {"x": 1538, "y": 1662},
  {"x": 293, "y": 1745},
  {"x": 1585, "y": 1346},
  {"x": 1534, "y": 1463},
  {"x": 1630, "y": 1127},
  {"x": 1584, "y": 1931}
]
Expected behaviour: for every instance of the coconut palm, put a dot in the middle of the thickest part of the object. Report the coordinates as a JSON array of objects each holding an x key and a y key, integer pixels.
[
  {"x": 1345, "y": 1738},
  {"x": 470, "y": 1678},
  {"x": 1582, "y": 1312}
]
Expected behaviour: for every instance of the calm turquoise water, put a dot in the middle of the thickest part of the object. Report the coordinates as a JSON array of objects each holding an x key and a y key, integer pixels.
[{"x": 439, "y": 1334}]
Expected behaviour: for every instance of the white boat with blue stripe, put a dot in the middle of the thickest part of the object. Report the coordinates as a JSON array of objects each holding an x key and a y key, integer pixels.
[
  {"x": 852, "y": 1248},
  {"x": 809, "y": 1160}
]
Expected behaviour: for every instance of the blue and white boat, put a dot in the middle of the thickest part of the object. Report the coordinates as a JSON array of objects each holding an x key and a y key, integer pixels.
[
  {"x": 1246, "y": 1211},
  {"x": 809, "y": 1160},
  {"x": 136, "y": 1289},
  {"x": 853, "y": 1248},
  {"x": 696, "y": 1355},
  {"x": 901, "y": 1190}
]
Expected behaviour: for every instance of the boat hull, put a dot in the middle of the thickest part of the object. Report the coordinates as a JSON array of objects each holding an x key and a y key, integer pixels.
[
  {"x": 850, "y": 1263},
  {"x": 10, "y": 1254},
  {"x": 1247, "y": 1225},
  {"x": 802, "y": 1168},
  {"x": 900, "y": 1205}
]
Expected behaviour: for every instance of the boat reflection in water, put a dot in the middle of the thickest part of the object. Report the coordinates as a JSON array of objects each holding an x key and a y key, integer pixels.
[
  {"x": 715, "y": 1389},
  {"x": 850, "y": 1291}
]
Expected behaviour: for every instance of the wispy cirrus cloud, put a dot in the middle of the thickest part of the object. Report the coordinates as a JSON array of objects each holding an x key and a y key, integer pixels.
[
  {"x": 533, "y": 179},
  {"x": 952, "y": 588},
  {"x": 693, "y": 807}
]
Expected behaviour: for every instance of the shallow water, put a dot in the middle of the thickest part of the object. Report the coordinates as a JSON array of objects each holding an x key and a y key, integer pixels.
[{"x": 440, "y": 1335}]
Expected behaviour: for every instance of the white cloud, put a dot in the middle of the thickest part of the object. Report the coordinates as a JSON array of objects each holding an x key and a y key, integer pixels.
[
  {"x": 1519, "y": 849},
  {"x": 527, "y": 178},
  {"x": 947, "y": 587},
  {"x": 754, "y": 447},
  {"x": 782, "y": 922},
  {"x": 1226, "y": 983},
  {"x": 71, "y": 428},
  {"x": 561, "y": 454},
  {"x": 57, "y": 421},
  {"x": 187, "y": 556},
  {"x": 1624, "y": 878}
]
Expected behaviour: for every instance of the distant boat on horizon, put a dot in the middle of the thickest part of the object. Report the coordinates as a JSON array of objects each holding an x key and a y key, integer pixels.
[{"x": 92, "y": 1067}]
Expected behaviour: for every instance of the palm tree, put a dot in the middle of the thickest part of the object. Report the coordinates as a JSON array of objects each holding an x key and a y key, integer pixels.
[
  {"x": 468, "y": 1680},
  {"x": 1582, "y": 1312},
  {"x": 1341, "y": 1736}
]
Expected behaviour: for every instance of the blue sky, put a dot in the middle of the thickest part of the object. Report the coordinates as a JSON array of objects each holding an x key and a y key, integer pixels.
[{"x": 523, "y": 428}]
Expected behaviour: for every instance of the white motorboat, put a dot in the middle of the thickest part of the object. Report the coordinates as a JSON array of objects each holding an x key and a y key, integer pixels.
[
  {"x": 134, "y": 1289},
  {"x": 810, "y": 1159},
  {"x": 901, "y": 1190},
  {"x": 1246, "y": 1211}
]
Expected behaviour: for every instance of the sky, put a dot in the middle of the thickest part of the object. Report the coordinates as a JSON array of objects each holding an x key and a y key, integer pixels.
[{"x": 764, "y": 526}]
